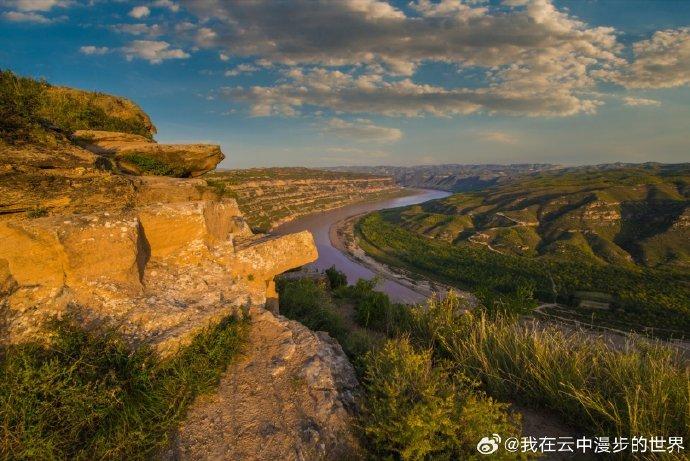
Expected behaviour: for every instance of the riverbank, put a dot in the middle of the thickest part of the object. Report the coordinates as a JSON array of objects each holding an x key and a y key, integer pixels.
[
  {"x": 319, "y": 224},
  {"x": 342, "y": 237}
]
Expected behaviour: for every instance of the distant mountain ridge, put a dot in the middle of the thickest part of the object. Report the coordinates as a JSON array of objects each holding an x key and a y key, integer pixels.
[{"x": 452, "y": 177}]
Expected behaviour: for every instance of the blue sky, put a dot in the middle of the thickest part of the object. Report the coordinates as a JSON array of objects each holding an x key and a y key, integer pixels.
[{"x": 319, "y": 83}]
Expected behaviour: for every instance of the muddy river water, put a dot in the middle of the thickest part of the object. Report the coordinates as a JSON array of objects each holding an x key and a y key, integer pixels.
[{"x": 320, "y": 223}]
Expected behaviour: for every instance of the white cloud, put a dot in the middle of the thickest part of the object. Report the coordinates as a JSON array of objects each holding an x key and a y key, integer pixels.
[
  {"x": 20, "y": 16},
  {"x": 37, "y": 5},
  {"x": 172, "y": 6},
  {"x": 151, "y": 30},
  {"x": 660, "y": 62},
  {"x": 153, "y": 51},
  {"x": 240, "y": 69},
  {"x": 499, "y": 137},
  {"x": 538, "y": 60},
  {"x": 635, "y": 102},
  {"x": 139, "y": 12},
  {"x": 371, "y": 93},
  {"x": 91, "y": 50},
  {"x": 223, "y": 57},
  {"x": 361, "y": 130}
]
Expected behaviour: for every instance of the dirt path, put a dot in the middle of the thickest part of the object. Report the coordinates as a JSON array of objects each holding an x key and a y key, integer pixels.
[{"x": 291, "y": 397}]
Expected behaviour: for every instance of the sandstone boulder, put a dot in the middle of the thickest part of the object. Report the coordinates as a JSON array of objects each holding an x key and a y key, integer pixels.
[{"x": 138, "y": 155}]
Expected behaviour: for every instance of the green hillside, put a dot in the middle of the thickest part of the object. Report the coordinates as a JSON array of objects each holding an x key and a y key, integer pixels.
[
  {"x": 621, "y": 231},
  {"x": 620, "y": 216}
]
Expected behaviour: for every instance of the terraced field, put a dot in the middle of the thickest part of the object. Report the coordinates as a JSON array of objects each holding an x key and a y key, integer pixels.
[{"x": 269, "y": 197}]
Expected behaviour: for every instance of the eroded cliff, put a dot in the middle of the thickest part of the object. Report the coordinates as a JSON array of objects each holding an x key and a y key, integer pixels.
[
  {"x": 159, "y": 259},
  {"x": 270, "y": 197}
]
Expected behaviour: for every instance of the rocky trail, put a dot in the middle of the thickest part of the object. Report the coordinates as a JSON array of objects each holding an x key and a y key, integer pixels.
[{"x": 290, "y": 397}]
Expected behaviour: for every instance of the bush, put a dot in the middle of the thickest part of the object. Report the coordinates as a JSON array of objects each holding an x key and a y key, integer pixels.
[
  {"x": 374, "y": 309},
  {"x": 640, "y": 390},
  {"x": 336, "y": 279},
  {"x": 309, "y": 303},
  {"x": 152, "y": 166},
  {"x": 89, "y": 396},
  {"x": 20, "y": 100},
  {"x": 37, "y": 212},
  {"x": 415, "y": 409}
]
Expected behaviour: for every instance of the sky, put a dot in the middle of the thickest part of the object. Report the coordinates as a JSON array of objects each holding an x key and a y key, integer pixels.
[{"x": 373, "y": 82}]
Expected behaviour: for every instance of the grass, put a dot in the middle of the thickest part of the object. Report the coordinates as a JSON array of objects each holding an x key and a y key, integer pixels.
[
  {"x": 414, "y": 368},
  {"x": 35, "y": 111},
  {"x": 414, "y": 406},
  {"x": 151, "y": 166},
  {"x": 89, "y": 396},
  {"x": 309, "y": 302},
  {"x": 643, "y": 390},
  {"x": 417, "y": 408},
  {"x": 37, "y": 212}
]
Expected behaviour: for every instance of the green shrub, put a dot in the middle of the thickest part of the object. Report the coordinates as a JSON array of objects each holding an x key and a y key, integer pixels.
[
  {"x": 640, "y": 390},
  {"x": 152, "y": 166},
  {"x": 336, "y": 278},
  {"x": 89, "y": 396},
  {"x": 32, "y": 110},
  {"x": 416, "y": 410},
  {"x": 37, "y": 212},
  {"x": 309, "y": 303},
  {"x": 374, "y": 309},
  {"x": 20, "y": 100}
]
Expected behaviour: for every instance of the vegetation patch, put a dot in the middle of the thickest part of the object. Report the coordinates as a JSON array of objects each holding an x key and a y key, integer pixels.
[
  {"x": 417, "y": 408},
  {"x": 643, "y": 297},
  {"x": 89, "y": 396},
  {"x": 309, "y": 302},
  {"x": 32, "y": 111},
  {"x": 419, "y": 403},
  {"x": 642, "y": 389},
  {"x": 151, "y": 166}
]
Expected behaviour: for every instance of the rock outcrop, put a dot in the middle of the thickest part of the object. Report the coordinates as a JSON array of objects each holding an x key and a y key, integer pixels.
[
  {"x": 138, "y": 155},
  {"x": 159, "y": 259},
  {"x": 160, "y": 272}
]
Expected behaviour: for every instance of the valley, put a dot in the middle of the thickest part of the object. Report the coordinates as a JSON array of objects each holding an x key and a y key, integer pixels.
[{"x": 555, "y": 236}]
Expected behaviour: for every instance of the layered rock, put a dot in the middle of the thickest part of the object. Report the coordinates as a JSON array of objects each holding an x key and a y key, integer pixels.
[
  {"x": 270, "y": 197},
  {"x": 159, "y": 259},
  {"x": 138, "y": 155},
  {"x": 160, "y": 272}
]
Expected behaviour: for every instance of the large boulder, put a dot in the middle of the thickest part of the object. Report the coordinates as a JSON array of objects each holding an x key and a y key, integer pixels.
[{"x": 138, "y": 155}]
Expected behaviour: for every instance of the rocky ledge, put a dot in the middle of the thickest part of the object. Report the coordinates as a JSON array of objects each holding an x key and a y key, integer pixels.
[{"x": 139, "y": 155}]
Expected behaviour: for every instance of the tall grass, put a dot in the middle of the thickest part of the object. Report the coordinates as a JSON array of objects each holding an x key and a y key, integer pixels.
[
  {"x": 309, "y": 302},
  {"x": 89, "y": 396},
  {"x": 643, "y": 389}
]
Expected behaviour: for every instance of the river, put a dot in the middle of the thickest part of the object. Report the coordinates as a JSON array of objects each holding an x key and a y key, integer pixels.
[{"x": 320, "y": 223}]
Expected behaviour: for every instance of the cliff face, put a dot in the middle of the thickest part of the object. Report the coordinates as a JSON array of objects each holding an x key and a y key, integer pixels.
[
  {"x": 272, "y": 196},
  {"x": 162, "y": 266},
  {"x": 159, "y": 259}
]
